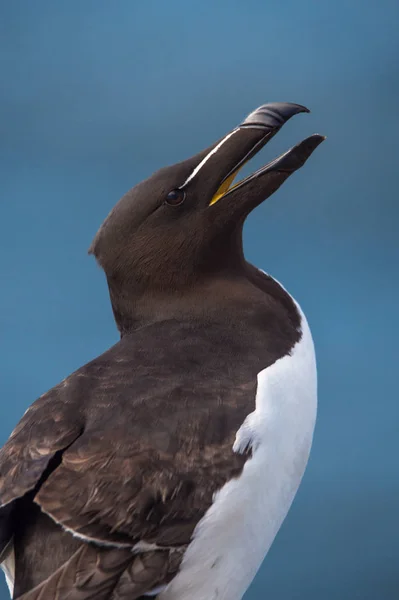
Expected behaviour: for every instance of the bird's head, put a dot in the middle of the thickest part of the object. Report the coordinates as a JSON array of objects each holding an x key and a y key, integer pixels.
[{"x": 183, "y": 225}]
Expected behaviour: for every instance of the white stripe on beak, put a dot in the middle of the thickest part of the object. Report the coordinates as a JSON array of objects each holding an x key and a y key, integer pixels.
[{"x": 207, "y": 157}]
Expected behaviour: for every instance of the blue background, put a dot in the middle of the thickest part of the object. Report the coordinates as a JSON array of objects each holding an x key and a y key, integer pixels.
[{"x": 94, "y": 97}]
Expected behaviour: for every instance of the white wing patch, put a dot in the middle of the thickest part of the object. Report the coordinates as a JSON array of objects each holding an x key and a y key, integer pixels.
[
  {"x": 8, "y": 566},
  {"x": 232, "y": 539},
  {"x": 155, "y": 591}
]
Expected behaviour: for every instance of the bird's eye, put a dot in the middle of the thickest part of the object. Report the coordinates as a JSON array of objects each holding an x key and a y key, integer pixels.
[{"x": 175, "y": 197}]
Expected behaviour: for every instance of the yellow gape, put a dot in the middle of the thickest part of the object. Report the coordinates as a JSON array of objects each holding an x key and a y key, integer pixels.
[{"x": 225, "y": 187}]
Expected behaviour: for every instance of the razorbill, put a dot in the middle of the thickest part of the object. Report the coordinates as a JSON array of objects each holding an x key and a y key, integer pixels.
[{"x": 166, "y": 466}]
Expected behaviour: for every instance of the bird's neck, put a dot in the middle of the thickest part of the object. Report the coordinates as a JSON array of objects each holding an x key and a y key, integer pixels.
[
  {"x": 213, "y": 299},
  {"x": 134, "y": 307}
]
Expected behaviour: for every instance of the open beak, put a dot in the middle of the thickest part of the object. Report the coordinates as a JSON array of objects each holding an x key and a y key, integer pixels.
[{"x": 240, "y": 145}]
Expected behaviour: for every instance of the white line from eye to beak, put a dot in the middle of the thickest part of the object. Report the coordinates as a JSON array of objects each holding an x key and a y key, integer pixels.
[{"x": 207, "y": 157}]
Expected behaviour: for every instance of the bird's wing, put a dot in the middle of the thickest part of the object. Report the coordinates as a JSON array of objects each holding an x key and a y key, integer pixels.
[
  {"x": 113, "y": 489},
  {"x": 129, "y": 450},
  {"x": 133, "y": 446}
]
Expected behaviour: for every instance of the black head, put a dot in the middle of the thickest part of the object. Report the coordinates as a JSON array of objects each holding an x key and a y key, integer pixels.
[{"x": 183, "y": 225}]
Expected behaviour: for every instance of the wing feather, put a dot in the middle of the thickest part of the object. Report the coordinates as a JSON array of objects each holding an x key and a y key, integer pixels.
[
  {"x": 94, "y": 573},
  {"x": 47, "y": 427}
]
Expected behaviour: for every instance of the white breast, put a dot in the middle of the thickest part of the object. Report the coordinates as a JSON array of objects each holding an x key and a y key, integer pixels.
[{"x": 232, "y": 539}]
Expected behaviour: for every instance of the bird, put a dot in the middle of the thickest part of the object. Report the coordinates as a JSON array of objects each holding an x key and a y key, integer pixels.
[{"x": 164, "y": 467}]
